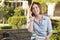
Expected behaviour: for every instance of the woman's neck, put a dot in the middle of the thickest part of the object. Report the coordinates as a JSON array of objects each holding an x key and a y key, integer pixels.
[{"x": 38, "y": 16}]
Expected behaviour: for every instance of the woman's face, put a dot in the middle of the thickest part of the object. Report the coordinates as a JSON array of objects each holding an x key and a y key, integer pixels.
[{"x": 35, "y": 9}]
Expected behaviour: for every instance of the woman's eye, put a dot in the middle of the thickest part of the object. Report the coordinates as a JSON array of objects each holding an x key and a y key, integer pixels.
[
  {"x": 36, "y": 7},
  {"x": 32, "y": 8}
]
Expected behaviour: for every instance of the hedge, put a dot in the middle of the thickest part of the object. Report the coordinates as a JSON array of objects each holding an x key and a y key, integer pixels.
[
  {"x": 56, "y": 29},
  {"x": 5, "y": 27},
  {"x": 17, "y": 21}
]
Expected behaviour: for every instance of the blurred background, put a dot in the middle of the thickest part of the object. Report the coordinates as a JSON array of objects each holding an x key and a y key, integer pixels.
[{"x": 14, "y": 17}]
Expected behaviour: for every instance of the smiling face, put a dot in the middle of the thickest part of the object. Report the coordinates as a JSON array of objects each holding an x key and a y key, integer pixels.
[{"x": 35, "y": 9}]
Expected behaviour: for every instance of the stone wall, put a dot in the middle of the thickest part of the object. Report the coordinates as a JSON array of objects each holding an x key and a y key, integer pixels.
[{"x": 15, "y": 34}]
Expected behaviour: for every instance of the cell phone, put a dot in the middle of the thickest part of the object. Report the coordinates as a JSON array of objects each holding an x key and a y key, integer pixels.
[{"x": 33, "y": 14}]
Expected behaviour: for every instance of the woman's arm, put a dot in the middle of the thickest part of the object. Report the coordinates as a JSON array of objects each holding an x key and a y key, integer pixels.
[
  {"x": 49, "y": 29},
  {"x": 30, "y": 24},
  {"x": 48, "y": 36}
]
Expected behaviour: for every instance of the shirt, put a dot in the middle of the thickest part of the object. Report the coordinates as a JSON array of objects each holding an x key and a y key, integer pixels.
[{"x": 43, "y": 28}]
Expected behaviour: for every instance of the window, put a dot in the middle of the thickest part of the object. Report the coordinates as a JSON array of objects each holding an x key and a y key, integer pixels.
[{"x": 57, "y": 9}]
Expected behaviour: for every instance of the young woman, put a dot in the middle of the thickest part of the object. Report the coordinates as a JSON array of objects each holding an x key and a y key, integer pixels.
[{"x": 39, "y": 25}]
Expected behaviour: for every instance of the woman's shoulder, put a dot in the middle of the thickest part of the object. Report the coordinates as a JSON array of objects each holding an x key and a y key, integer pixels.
[{"x": 45, "y": 17}]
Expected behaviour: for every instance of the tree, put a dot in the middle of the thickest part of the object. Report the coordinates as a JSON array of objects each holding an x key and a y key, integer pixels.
[
  {"x": 3, "y": 11},
  {"x": 44, "y": 1},
  {"x": 10, "y": 0},
  {"x": 44, "y": 5},
  {"x": 17, "y": 21},
  {"x": 19, "y": 11}
]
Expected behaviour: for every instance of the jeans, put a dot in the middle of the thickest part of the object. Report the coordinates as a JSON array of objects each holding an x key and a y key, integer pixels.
[{"x": 34, "y": 39}]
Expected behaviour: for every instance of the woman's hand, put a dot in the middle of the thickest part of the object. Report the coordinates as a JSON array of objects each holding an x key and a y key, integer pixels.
[
  {"x": 30, "y": 24},
  {"x": 47, "y": 38},
  {"x": 31, "y": 18}
]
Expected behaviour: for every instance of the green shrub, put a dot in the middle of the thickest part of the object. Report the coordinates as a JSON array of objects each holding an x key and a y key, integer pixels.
[
  {"x": 55, "y": 25},
  {"x": 6, "y": 27},
  {"x": 17, "y": 21},
  {"x": 5, "y": 13},
  {"x": 54, "y": 37},
  {"x": 19, "y": 11},
  {"x": 56, "y": 29},
  {"x": 1, "y": 21}
]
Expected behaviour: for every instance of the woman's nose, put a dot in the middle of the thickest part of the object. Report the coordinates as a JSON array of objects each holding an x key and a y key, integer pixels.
[{"x": 35, "y": 9}]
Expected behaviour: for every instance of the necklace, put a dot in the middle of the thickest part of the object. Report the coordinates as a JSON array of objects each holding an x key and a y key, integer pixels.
[{"x": 38, "y": 20}]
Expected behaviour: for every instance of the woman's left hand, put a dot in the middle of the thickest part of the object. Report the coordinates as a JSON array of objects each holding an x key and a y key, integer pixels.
[{"x": 47, "y": 38}]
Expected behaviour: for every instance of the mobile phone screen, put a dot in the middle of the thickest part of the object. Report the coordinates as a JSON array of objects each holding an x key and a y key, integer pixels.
[{"x": 32, "y": 14}]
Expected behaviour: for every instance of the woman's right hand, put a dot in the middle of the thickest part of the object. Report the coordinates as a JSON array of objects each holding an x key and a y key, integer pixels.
[
  {"x": 30, "y": 24},
  {"x": 31, "y": 18}
]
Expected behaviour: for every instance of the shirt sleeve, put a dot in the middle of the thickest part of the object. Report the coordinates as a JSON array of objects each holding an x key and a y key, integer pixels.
[{"x": 49, "y": 25}]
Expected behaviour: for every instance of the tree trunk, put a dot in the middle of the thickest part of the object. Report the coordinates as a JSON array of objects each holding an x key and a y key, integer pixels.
[{"x": 3, "y": 20}]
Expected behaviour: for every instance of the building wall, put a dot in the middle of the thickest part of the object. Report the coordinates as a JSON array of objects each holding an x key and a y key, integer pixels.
[{"x": 57, "y": 9}]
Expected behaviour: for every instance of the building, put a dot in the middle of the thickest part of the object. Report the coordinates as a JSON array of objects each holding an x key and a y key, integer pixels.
[{"x": 15, "y": 3}]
